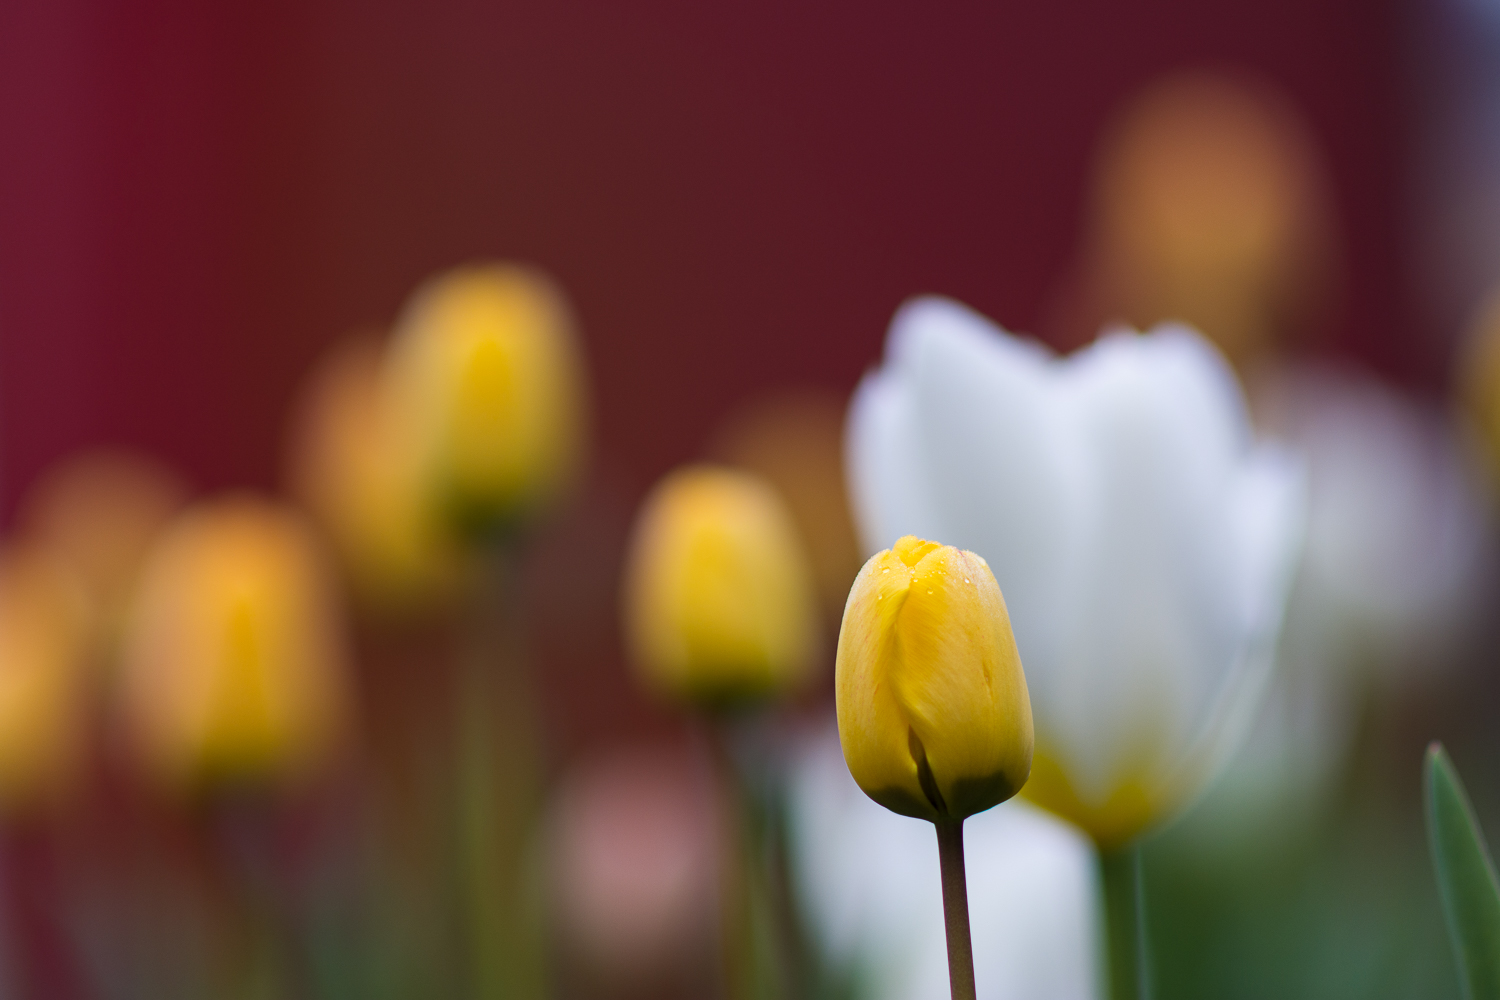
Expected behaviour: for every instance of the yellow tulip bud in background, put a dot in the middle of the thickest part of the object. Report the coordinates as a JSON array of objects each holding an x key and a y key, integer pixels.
[
  {"x": 488, "y": 379},
  {"x": 349, "y": 469},
  {"x": 98, "y": 513},
  {"x": 234, "y": 667},
  {"x": 719, "y": 600},
  {"x": 933, "y": 711},
  {"x": 43, "y": 704},
  {"x": 1478, "y": 383}
]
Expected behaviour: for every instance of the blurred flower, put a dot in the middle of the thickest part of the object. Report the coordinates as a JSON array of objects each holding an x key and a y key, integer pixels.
[
  {"x": 1031, "y": 880},
  {"x": 1478, "y": 386},
  {"x": 1208, "y": 208},
  {"x": 718, "y": 599},
  {"x": 350, "y": 470},
  {"x": 634, "y": 845},
  {"x": 1387, "y": 589},
  {"x": 233, "y": 665},
  {"x": 488, "y": 380},
  {"x": 43, "y": 694},
  {"x": 1395, "y": 536},
  {"x": 1143, "y": 541},
  {"x": 932, "y": 706},
  {"x": 98, "y": 513},
  {"x": 795, "y": 441}
]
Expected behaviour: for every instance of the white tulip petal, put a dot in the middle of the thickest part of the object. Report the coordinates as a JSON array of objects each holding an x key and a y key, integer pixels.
[
  {"x": 997, "y": 459},
  {"x": 890, "y": 496},
  {"x": 1268, "y": 525},
  {"x": 1162, "y": 428}
]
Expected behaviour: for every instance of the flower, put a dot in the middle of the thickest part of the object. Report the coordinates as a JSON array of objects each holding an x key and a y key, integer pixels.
[
  {"x": 1208, "y": 206},
  {"x": 1387, "y": 594},
  {"x": 349, "y": 469},
  {"x": 1144, "y": 542},
  {"x": 488, "y": 380},
  {"x": 1032, "y": 888},
  {"x": 719, "y": 604},
  {"x": 233, "y": 665},
  {"x": 98, "y": 513},
  {"x": 1477, "y": 381},
  {"x": 43, "y": 648},
  {"x": 634, "y": 849},
  {"x": 933, "y": 712}
]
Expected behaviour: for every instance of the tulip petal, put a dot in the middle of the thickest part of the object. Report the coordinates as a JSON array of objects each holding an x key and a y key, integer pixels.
[
  {"x": 1002, "y": 471},
  {"x": 1155, "y": 621},
  {"x": 969, "y": 720},
  {"x": 890, "y": 495},
  {"x": 1269, "y": 521},
  {"x": 873, "y": 728}
]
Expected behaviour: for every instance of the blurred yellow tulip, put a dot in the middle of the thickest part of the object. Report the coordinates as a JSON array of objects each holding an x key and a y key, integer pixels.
[
  {"x": 719, "y": 601},
  {"x": 98, "y": 513},
  {"x": 349, "y": 469},
  {"x": 933, "y": 711},
  {"x": 234, "y": 666},
  {"x": 43, "y": 703},
  {"x": 1209, "y": 207},
  {"x": 1478, "y": 382},
  {"x": 488, "y": 379}
]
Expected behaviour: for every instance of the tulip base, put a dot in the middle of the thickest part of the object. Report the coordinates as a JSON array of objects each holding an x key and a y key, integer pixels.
[
  {"x": 1125, "y": 925},
  {"x": 950, "y": 835}
]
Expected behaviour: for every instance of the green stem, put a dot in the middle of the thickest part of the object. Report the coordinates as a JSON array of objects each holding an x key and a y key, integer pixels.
[
  {"x": 950, "y": 835},
  {"x": 754, "y": 966},
  {"x": 242, "y": 829},
  {"x": 497, "y": 791},
  {"x": 735, "y": 920},
  {"x": 1125, "y": 925}
]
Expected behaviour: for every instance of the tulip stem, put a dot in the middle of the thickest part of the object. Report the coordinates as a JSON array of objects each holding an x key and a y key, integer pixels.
[
  {"x": 753, "y": 941},
  {"x": 498, "y": 762},
  {"x": 950, "y": 835},
  {"x": 1125, "y": 925}
]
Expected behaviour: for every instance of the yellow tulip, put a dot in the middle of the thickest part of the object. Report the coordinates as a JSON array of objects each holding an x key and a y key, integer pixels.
[
  {"x": 98, "y": 514},
  {"x": 1478, "y": 382},
  {"x": 1209, "y": 208},
  {"x": 43, "y": 640},
  {"x": 233, "y": 667},
  {"x": 933, "y": 712},
  {"x": 349, "y": 469},
  {"x": 719, "y": 599},
  {"x": 488, "y": 379}
]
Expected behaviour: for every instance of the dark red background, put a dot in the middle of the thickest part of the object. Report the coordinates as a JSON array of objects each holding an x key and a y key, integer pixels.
[{"x": 195, "y": 198}]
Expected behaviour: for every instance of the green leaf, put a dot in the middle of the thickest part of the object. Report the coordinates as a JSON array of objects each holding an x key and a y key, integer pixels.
[{"x": 1471, "y": 897}]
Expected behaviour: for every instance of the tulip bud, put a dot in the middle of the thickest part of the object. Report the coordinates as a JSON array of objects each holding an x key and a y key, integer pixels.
[
  {"x": 933, "y": 712},
  {"x": 349, "y": 469},
  {"x": 1478, "y": 382},
  {"x": 719, "y": 600},
  {"x": 488, "y": 380},
  {"x": 98, "y": 513},
  {"x": 233, "y": 665},
  {"x": 43, "y": 639}
]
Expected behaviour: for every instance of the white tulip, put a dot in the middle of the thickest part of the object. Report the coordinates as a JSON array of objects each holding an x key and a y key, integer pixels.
[
  {"x": 869, "y": 888},
  {"x": 1144, "y": 541}
]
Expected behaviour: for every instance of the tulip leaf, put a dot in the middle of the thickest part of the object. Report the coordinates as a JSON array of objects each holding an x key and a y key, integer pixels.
[{"x": 1466, "y": 878}]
